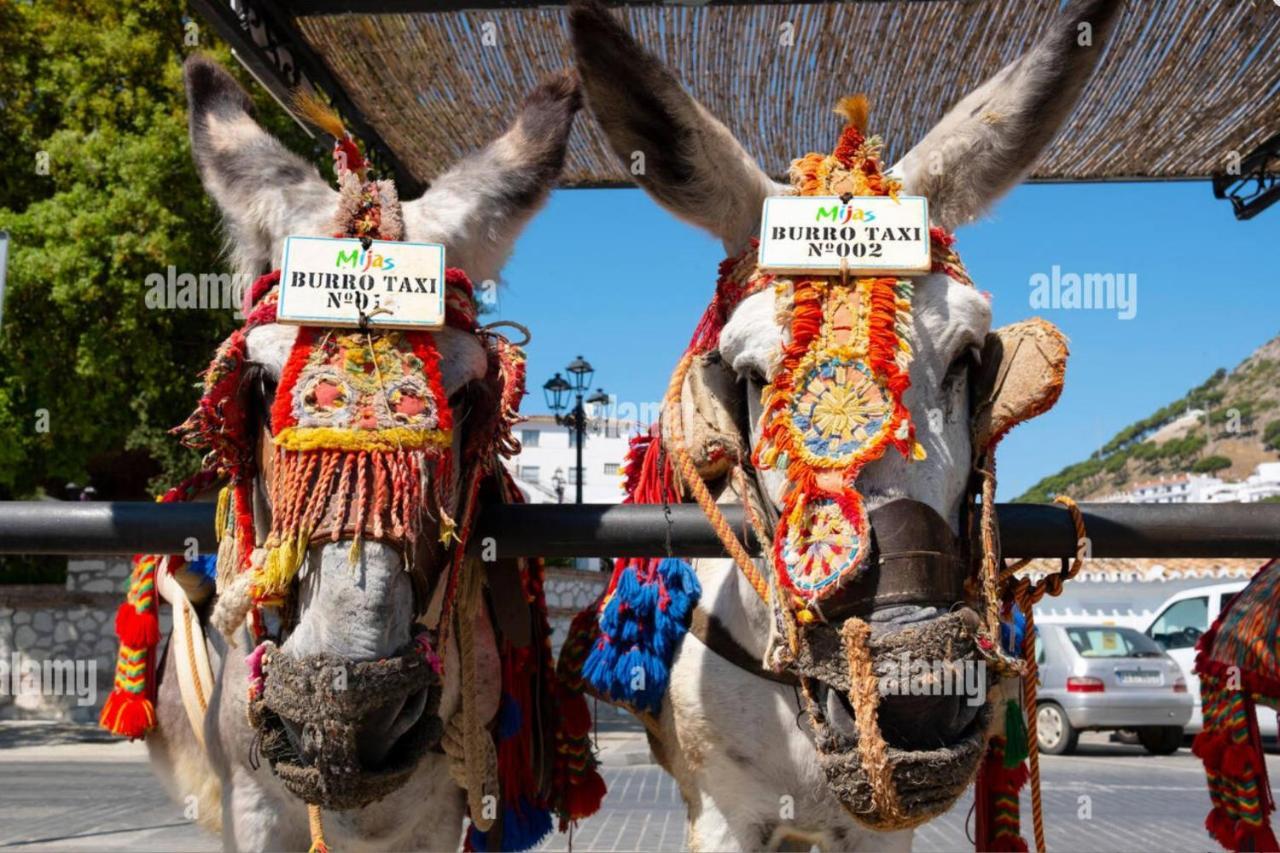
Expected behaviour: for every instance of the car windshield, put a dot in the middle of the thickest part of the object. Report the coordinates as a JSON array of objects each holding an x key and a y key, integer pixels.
[{"x": 1112, "y": 643}]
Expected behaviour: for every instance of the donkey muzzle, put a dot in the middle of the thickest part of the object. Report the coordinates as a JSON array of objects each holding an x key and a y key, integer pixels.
[
  {"x": 340, "y": 734},
  {"x": 915, "y": 561}
]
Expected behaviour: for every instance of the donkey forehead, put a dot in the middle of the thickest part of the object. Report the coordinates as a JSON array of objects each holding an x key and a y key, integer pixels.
[
  {"x": 462, "y": 357},
  {"x": 948, "y": 317}
]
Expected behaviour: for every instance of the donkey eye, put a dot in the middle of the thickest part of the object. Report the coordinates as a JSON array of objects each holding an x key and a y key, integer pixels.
[{"x": 970, "y": 357}]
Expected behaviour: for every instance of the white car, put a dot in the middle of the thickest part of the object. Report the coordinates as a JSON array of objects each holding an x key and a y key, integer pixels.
[{"x": 1179, "y": 623}]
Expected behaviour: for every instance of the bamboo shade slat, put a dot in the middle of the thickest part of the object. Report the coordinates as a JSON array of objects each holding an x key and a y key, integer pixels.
[{"x": 1183, "y": 87}]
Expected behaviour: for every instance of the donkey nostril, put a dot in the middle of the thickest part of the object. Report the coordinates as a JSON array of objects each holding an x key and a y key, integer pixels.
[
  {"x": 378, "y": 735},
  {"x": 409, "y": 714},
  {"x": 373, "y": 741}
]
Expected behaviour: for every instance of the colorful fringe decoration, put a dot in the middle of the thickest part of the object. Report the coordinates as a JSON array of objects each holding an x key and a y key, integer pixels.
[
  {"x": 357, "y": 420},
  {"x": 1238, "y": 659},
  {"x": 646, "y": 609},
  {"x": 577, "y": 780},
  {"x": 542, "y": 717},
  {"x": 524, "y": 810},
  {"x": 129, "y": 709},
  {"x": 998, "y": 813},
  {"x": 645, "y": 615},
  {"x": 836, "y": 402}
]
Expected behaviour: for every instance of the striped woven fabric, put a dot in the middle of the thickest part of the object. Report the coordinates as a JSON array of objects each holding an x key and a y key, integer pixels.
[
  {"x": 1248, "y": 634},
  {"x": 1237, "y": 664}
]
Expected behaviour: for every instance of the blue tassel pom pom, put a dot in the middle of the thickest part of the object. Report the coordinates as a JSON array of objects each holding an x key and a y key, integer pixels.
[
  {"x": 640, "y": 631},
  {"x": 523, "y": 827}
]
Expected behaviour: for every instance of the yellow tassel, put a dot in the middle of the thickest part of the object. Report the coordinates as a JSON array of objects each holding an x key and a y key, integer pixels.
[
  {"x": 448, "y": 528},
  {"x": 917, "y": 452},
  {"x": 220, "y": 514},
  {"x": 319, "y": 114},
  {"x": 282, "y": 563},
  {"x": 855, "y": 109},
  {"x": 805, "y": 617}
]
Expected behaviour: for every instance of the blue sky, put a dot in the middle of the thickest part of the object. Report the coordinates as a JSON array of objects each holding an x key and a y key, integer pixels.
[{"x": 610, "y": 275}]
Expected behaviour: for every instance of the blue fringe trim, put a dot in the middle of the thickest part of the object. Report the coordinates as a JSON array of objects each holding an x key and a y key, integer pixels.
[
  {"x": 523, "y": 827},
  {"x": 631, "y": 662}
]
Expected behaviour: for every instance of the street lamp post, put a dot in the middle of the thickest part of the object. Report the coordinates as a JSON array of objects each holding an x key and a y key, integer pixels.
[{"x": 557, "y": 389}]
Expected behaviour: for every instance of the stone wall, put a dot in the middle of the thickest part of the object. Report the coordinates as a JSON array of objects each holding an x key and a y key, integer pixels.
[
  {"x": 568, "y": 591},
  {"x": 58, "y": 645}
]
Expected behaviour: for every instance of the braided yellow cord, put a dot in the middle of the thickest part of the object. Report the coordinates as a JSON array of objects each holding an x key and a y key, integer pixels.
[{"x": 318, "y": 844}]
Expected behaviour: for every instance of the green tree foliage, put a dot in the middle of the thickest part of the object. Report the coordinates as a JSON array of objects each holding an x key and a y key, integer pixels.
[
  {"x": 1271, "y": 435},
  {"x": 91, "y": 378},
  {"x": 1211, "y": 463}
]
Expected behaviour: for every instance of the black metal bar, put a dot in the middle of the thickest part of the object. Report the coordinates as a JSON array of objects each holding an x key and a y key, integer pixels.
[
  {"x": 105, "y": 527},
  {"x": 1162, "y": 531}
]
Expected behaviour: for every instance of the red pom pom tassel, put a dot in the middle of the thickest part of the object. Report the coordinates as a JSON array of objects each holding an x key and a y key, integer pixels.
[
  {"x": 584, "y": 798},
  {"x": 137, "y": 630},
  {"x": 128, "y": 714},
  {"x": 576, "y": 719}
]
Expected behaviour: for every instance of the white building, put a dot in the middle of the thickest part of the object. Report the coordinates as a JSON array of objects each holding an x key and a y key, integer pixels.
[
  {"x": 1129, "y": 592},
  {"x": 548, "y": 449},
  {"x": 1264, "y": 482}
]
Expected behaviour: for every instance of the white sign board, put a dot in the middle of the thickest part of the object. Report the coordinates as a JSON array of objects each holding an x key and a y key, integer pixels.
[
  {"x": 866, "y": 235},
  {"x": 330, "y": 281}
]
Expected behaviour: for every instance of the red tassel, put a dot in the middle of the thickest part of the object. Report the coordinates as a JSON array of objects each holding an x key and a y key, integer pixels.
[
  {"x": 576, "y": 718},
  {"x": 127, "y": 714},
  {"x": 1237, "y": 761},
  {"x": 584, "y": 798},
  {"x": 1258, "y": 838},
  {"x": 1265, "y": 839},
  {"x": 1221, "y": 827},
  {"x": 1209, "y": 746},
  {"x": 137, "y": 630}
]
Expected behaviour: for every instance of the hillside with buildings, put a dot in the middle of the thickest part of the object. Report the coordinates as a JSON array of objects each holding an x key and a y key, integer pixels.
[{"x": 1219, "y": 442}]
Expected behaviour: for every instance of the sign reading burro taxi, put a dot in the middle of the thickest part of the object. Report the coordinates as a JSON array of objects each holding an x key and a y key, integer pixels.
[
  {"x": 331, "y": 281},
  {"x": 863, "y": 235}
]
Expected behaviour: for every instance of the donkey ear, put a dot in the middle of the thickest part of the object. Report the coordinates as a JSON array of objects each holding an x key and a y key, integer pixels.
[
  {"x": 264, "y": 190},
  {"x": 680, "y": 153},
  {"x": 478, "y": 207},
  {"x": 984, "y": 145}
]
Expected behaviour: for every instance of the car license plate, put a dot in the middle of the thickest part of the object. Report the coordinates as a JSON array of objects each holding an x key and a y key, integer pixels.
[{"x": 1139, "y": 677}]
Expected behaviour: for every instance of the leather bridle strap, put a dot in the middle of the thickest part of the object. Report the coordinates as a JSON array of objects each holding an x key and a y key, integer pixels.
[{"x": 716, "y": 637}]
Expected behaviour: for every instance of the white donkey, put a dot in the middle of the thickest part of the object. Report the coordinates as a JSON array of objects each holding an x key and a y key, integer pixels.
[
  {"x": 752, "y": 772},
  {"x": 345, "y": 612}
]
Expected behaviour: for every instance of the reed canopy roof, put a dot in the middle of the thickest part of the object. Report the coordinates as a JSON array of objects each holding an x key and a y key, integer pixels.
[{"x": 1184, "y": 85}]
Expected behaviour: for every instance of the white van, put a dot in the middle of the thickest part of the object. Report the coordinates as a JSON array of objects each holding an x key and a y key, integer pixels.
[{"x": 1179, "y": 622}]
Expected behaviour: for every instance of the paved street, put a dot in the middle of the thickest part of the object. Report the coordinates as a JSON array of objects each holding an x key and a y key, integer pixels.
[{"x": 61, "y": 792}]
